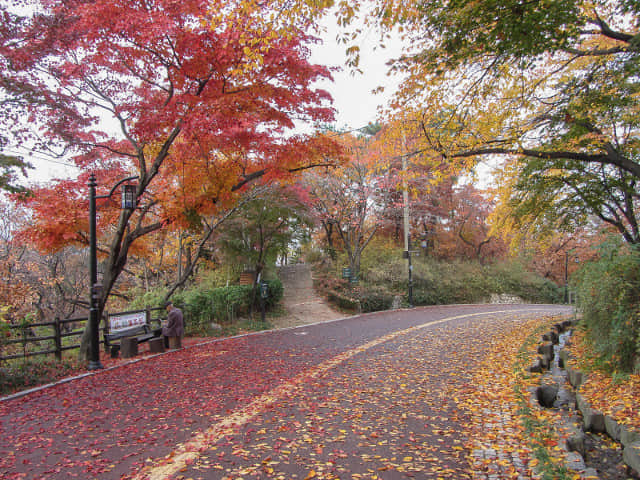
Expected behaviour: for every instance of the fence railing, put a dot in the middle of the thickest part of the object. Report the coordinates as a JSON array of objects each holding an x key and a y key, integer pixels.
[{"x": 49, "y": 338}]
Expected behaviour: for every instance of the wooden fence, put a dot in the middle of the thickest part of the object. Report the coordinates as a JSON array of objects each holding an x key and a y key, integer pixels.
[{"x": 48, "y": 338}]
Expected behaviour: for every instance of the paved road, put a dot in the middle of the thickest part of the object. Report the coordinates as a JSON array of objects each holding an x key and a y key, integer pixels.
[{"x": 364, "y": 397}]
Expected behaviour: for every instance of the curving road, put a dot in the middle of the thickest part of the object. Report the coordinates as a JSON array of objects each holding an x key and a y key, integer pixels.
[{"x": 369, "y": 397}]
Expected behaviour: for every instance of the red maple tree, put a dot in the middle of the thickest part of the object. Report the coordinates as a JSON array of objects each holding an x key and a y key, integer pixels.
[{"x": 196, "y": 98}]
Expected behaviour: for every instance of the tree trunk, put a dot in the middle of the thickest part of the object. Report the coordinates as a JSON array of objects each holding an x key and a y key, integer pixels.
[
  {"x": 180, "y": 253},
  {"x": 85, "y": 345}
]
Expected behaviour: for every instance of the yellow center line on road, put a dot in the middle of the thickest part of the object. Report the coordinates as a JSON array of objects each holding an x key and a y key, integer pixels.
[{"x": 186, "y": 453}]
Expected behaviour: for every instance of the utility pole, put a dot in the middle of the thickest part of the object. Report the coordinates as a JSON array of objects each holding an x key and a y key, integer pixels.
[{"x": 407, "y": 235}]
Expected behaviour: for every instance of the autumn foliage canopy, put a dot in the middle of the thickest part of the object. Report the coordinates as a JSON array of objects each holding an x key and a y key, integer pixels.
[{"x": 195, "y": 98}]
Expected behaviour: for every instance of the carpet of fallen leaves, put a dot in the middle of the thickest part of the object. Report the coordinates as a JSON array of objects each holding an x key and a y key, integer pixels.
[
  {"x": 417, "y": 405},
  {"x": 391, "y": 414},
  {"x": 105, "y": 425},
  {"x": 143, "y": 352},
  {"x": 503, "y": 422},
  {"x": 50, "y": 371},
  {"x": 617, "y": 396}
]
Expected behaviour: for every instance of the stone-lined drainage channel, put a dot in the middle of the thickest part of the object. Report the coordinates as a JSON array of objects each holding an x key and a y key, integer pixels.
[{"x": 583, "y": 431}]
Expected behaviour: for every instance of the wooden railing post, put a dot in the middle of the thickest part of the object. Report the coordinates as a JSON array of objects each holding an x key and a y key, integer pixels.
[
  {"x": 23, "y": 328},
  {"x": 105, "y": 329},
  {"x": 58, "y": 338}
]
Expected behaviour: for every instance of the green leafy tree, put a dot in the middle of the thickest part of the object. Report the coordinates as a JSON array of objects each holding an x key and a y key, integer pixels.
[
  {"x": 265, "y": 227},
  {"x": 546, "y": 195},
  {"x": 548, "y": 80},
  {"x": 10, "y": 166}
]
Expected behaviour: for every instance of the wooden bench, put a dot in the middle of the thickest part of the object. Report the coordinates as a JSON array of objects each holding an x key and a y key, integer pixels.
[{"x": 125, "y": 328}]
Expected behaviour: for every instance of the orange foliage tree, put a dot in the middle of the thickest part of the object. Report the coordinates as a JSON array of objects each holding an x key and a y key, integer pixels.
[
  {"x": 195, "y": 98},
  {"x": 447, "y": 217},
  {"x": 350, "y": 201}
]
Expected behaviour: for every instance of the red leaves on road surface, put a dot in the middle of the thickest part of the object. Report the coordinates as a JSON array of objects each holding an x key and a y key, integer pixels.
[{"x": 412, "y": 406}]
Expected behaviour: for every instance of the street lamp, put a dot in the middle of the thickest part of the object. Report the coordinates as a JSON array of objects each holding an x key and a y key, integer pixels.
[
  {"x": 95, "y": 289},
  {"x": 566, "y": 273},
  {"x": 566, "y": 276}
]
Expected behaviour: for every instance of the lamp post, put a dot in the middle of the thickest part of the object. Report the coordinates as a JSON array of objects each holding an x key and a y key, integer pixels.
[
  {"x": 95, "y": 289},
  {"x": 566, "y": 276}
]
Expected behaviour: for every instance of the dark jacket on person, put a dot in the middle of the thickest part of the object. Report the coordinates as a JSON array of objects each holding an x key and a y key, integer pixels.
[{"x": 175, "y": 324}]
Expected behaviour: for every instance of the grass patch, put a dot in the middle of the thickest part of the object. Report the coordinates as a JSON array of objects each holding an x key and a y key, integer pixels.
[{"x": 24, "y": 374}]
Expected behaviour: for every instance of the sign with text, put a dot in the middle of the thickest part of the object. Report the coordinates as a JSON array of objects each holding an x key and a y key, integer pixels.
[{"x": 128, "y": 320}]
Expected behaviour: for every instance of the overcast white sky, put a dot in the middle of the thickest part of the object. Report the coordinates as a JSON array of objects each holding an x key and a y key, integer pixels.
[{"x": 354, "y": 101}]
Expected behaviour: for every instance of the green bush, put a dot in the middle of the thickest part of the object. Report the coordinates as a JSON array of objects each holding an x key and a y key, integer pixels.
[
  {"x": 276, "y": 291},
  {"x": 375, "y": 300},
  {"x": 438, "y": 282},
  {"x": 202, "y": 304},
  {"x": 609, "y": 300},
  {"x": 221, "y": 276},
  {"x": 152, "y": 299},
  {"x": 27, "y": 373},
  {"x": 343, "y": 301},
  {"x": 450, "y": 282},
  {"x": 384, "y": 274},
  {"x": 514, "y": 279}
]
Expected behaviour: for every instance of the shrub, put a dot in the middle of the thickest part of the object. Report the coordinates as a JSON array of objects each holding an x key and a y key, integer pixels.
[
  {"x": 609, "y": 300},
  {"x": 343, "y": 302},
  {"x": 375, "y": 300},
  {"x": 514, "y": 279},
  {"x": 218, "y": 277},
  {"x": 276, "y": 291},
  {"x": 16, "y": 376},
  {"x": 203, "y": 304},
  {"x": 152, "y": 299},
  {"x": 437, "y": 282}
]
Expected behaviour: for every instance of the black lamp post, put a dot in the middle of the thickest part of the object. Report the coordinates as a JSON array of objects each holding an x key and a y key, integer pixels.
[
  {"x": 407, "y": 254},
  {"x": 566, "y": 276},
  {"x": 95, "y": 289}
]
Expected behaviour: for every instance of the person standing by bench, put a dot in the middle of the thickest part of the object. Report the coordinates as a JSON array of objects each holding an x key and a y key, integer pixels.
[{"x": 173, "y": 330}]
